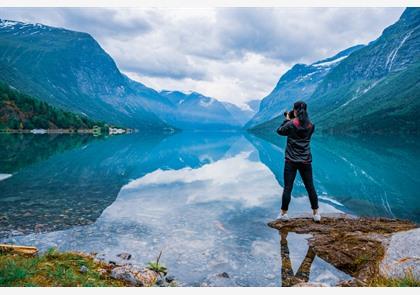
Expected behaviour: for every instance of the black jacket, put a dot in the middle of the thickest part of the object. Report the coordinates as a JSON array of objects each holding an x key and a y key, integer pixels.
[{"x": 298, "y": 141}]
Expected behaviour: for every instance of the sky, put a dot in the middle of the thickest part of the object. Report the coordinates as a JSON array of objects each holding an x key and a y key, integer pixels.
[{"x": 232, "y": 54}]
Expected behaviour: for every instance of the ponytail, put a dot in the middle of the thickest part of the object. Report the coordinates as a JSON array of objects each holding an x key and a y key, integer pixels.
[{"x": 302, "y": 115}]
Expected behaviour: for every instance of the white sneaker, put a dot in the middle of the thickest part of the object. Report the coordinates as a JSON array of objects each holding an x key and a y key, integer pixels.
[
  {"x": 316, "y": 217},
  {"x": 283, "y": 217}
]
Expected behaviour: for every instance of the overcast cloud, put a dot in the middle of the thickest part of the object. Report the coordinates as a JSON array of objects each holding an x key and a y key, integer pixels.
[{"x": 233, "y": 54}]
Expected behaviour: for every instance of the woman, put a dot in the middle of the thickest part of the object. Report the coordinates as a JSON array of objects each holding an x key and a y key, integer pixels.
[{"x": 298, "y": 157}]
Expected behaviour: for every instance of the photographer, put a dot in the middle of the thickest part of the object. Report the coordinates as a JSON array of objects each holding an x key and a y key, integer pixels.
[{"x": 298, "y": 129}]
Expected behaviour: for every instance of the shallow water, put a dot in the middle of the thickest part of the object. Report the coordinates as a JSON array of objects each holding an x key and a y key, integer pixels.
[{"x": 202, "y": 198}]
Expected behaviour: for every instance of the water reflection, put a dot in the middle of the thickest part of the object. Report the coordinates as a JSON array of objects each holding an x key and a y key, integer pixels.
[
  {"x": 288, "y": 278},
  {"x": 80, "y": 177},
  {"x": 371, "y": 176},
  {"x": 204, "y": 198}
]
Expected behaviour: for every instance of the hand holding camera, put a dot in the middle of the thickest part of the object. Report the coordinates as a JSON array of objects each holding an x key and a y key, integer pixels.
[{"x": 290, "y": 115}]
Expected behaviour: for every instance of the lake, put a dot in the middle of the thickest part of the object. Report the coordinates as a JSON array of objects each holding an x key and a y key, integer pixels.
[{"x": 203, "y": 198}]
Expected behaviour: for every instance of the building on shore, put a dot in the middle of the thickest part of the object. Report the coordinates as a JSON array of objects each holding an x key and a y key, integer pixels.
[{"x": 116, "y": 130}]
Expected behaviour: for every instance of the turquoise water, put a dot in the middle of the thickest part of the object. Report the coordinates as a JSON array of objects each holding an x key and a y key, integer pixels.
[{"x": 202, "y": 198}]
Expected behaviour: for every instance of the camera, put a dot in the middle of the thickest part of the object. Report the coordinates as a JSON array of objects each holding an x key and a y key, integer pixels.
[{"x": 291, "y": 114}]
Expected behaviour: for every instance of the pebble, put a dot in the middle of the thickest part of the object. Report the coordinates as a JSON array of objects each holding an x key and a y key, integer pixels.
[{"x": 83, "y": 269}]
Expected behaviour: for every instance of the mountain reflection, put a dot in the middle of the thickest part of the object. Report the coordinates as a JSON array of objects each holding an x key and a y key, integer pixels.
[
  {"x": 373, "y": 176},
  {"x": 74, "y": 179},
  {"x": 209, "y": 215}
]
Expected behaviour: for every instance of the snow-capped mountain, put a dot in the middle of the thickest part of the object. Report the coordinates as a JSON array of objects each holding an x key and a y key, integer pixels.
[
  {"x": 296, "y": 84},
  {"x": 242, "y": 114},
  {"x": 371, "y": 89},
  {"x": 196, "y": 111},
  {"x": 70, "y": 70},
  {"x": 376, "y": 89}
]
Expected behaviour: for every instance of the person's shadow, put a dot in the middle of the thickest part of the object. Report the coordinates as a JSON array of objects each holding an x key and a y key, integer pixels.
[{"x": 289, "y": 279}]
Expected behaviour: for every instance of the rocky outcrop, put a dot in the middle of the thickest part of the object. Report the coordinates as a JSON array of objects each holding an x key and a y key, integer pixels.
[
  {"x": 402, "y": 256},
  {"x": 355, "y": 246}
]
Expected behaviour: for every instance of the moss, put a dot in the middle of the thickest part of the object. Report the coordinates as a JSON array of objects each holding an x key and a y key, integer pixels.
[{"x": 54, "y": 269}]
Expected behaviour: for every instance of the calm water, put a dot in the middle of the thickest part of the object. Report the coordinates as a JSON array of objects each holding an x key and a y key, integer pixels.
[{"x": 202, "y": 198}]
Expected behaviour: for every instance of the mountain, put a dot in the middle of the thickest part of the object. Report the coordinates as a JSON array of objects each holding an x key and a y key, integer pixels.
[
  {"x": 196, "y": 111},
  {"x": 254, "y": 104},
  {"x": 70, "y": 70},
  {"x": 376, "y": 89},
  {"x": 299, "y": 83},
  {"x": 241, "y": 115},
  {"x": 20, "y": 111}
]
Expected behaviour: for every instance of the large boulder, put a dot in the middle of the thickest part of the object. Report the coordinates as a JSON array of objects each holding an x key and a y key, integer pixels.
[{"x": 402, "y": 256}]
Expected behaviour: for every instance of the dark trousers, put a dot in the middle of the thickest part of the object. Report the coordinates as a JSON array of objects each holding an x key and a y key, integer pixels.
[{"x": 305, "y": 171}]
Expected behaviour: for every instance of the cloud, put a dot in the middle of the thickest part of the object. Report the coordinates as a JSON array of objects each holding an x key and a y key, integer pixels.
[{"x": 233, "y": 54}]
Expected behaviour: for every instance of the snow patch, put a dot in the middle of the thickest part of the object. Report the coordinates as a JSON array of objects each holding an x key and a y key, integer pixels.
[
  {"x": 329, "y": 63},
  {"x": 4, "y": 176},
  {"x": 7, "y": 23},
  {"x": 206, "y": 102}
]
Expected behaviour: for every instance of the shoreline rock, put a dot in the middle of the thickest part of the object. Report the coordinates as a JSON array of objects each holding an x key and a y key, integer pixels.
[
  {"x": 356, "y": 246},
  {"x": 402, "y": 256}
]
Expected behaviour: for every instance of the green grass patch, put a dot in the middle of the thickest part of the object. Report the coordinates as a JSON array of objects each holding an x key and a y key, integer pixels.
[
  {"x": 54, "y": 269},
  {"x": 407, "y": 281}
]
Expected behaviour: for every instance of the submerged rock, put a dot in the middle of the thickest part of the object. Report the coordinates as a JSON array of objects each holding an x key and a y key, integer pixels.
[
  {"x": 124, "y": 256},
  {"x": 169, "y": 279},
  {"x": 355, "y": 246},
  {"x": 402, "y": 256},
  {"x": 219, "y": 280}
]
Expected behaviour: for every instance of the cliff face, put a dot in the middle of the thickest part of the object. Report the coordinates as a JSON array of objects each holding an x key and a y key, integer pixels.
[{"x": 70, "y": 70}]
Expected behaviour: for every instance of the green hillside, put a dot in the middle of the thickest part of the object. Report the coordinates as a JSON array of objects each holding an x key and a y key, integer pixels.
[
  {"x": 375, "y": 89},
  {"x": 21, "y": 111}
]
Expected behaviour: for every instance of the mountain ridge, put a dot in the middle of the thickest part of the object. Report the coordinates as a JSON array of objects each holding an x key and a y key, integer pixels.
[{"x": 375, "y": 89}]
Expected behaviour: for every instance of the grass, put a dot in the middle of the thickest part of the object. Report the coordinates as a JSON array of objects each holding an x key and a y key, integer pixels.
[
  {"x": 53, "y": 269},
  {"x": 407, "y": 281},
  {"x": 158, "y": 267}
]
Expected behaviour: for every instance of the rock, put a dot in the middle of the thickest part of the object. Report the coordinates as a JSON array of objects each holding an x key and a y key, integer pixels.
[
  {"x": 83, "y": 269},
  {"x": 311, "y": 284},
  {"x": 219, "y": 280},
  {"x": 353, "y": 245},
  {"x": 112, "y": 262},
  {"x": 134, "y": 275},
  {"x": 169, "y": 278},
  {"x": 402, "y": 255},
  {"x": 146, "y": 277},
  {"x": 223, "y": 275},
  {"x": 121, "y": 273},
  {"x": 124, "y": 256}
]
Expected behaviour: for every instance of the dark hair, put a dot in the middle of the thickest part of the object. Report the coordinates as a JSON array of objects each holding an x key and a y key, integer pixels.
[{"x": 302, "y": 115}]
